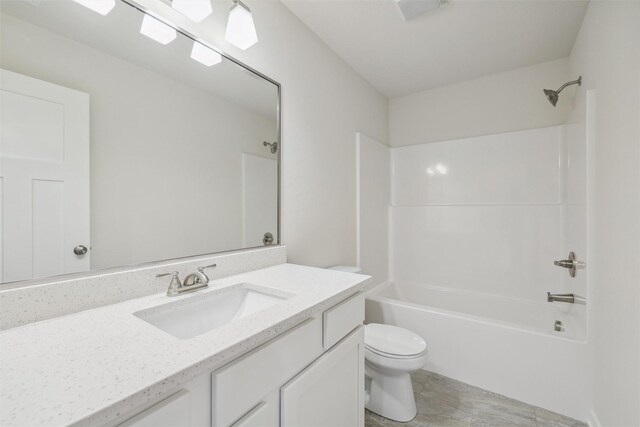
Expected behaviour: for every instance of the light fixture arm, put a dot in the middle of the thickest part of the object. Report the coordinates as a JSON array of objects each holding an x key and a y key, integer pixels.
[
  {"x": 239, "y": 3},
  {"x": 575, "y": 82}
]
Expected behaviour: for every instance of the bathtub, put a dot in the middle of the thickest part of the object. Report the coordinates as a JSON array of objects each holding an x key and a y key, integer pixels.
[{"x": 505, "y": 345}]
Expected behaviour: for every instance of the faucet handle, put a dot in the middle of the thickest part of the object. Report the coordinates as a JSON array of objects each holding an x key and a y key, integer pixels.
[
  {"x": 201, "y": 269},
  {"x": 173, "y": 273},
  {"x": 175, "y": 283}
]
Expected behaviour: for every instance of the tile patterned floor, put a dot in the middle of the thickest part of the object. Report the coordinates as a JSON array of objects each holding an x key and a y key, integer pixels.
[{"x": 443, "y": 402}]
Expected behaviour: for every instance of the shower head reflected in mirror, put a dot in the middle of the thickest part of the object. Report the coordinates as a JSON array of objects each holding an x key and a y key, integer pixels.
[
  {"x": 273, "y": 146},
  {"x": 552, "y": 95}
]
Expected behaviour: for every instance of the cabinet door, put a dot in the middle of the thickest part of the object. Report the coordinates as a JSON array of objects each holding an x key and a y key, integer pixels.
[
  {"x": 173, "y": 411},
  {"x": 330, "y": 391},
  {"x": 265, "y": 414},
  {"x": 241, "y": 385}
]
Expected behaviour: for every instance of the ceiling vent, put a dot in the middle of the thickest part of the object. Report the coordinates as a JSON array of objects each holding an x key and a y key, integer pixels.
[{"x": 410, "y": 9}]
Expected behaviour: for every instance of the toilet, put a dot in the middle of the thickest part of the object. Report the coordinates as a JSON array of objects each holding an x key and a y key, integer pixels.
[{"x": 391, "y": 354}]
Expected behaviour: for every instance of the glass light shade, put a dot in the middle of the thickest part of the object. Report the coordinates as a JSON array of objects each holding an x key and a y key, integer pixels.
[
  {"x": 157, "y": 30},
  {"x": 100, "y": 6},
  {"x": 241, "y": 31},
  {"x": 196, "y": 10},
  {"x": 204, "y": 55}
]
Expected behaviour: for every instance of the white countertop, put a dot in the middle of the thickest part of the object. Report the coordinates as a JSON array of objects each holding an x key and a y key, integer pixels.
[{"x": 91, "y": 366}]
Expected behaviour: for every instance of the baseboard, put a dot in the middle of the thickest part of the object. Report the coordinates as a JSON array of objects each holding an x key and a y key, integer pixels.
[{"x": 593, "y": 420}]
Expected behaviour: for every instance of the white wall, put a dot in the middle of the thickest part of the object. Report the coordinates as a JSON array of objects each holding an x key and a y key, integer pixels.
[
  {"x": 158, "y": 191},
  {"x": 374, "y": 192},
  {"x": 607, "y": 54},
  {"x": 503, "y": 102},
  {"x": 324, "y": 103},
  {"x": 488, "y": 214}
]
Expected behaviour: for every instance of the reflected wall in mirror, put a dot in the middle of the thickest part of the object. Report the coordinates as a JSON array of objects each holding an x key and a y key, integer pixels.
[{"x": 119, "y": 150}]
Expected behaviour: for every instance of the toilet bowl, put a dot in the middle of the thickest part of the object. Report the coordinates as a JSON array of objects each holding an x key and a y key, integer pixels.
[{"x": 391, "y": 354}]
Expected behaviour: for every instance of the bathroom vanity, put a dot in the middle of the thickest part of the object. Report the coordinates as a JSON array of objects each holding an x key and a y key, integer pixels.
[
  {"x": 130, "y": 156},
  {"x": 295, "y": 360}
]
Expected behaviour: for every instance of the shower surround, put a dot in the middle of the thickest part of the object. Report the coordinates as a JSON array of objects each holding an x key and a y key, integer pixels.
[{"x": 474, "y": 226}]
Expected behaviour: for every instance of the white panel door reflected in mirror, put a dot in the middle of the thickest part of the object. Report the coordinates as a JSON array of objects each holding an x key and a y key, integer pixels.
[
  {"x": 160, "y": 175},
  {"x": 44, "y": 159}
]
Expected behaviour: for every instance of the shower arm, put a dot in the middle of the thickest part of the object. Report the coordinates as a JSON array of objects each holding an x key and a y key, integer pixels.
[{"x": 575, "y": 82}]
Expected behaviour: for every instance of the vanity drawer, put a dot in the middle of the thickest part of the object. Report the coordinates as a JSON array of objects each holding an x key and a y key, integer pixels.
[
  {"x": 174, "y": 411},
  {"x": 341, "y": 319},
  {"x": 241, "y": 385}
]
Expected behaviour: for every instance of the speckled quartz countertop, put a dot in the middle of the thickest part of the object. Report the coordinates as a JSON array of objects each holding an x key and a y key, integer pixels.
[{"x": 91, "y": 366}]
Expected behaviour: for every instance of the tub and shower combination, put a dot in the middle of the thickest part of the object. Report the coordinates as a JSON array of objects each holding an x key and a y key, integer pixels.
[{"x": 475, "y": 226}]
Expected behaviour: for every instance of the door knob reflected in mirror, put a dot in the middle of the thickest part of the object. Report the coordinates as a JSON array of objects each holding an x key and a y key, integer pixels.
[
  {"x": 80, "y": 250},
  {"x": 267, "y": 239}
]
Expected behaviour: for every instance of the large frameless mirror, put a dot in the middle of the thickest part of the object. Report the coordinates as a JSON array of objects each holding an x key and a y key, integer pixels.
[{"x": 124, "y": 141}]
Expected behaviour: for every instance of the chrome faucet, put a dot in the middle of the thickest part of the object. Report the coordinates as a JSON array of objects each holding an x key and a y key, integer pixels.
[
  {"x": 198, "y": 278},
  {"x": 193, "y": 281}
]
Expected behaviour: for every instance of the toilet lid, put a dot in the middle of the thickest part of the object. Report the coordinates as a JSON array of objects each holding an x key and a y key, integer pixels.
[{"x": 393, "y": 340}]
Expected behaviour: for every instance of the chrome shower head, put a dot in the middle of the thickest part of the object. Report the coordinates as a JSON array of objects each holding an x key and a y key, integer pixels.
[{"x": 552, "y": 95}]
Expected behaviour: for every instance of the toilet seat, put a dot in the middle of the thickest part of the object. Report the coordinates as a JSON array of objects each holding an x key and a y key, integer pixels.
[
  {"x": 395, "y": 356},
  {"x": 394, "y": 365},
  {"x": 393, "y": 342}
]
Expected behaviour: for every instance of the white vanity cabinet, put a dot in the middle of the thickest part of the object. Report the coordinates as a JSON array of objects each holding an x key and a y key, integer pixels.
[
  {"x": 310, "y": 375},
  {"x": 314, "y": 373},
  {"x": 243, "y": 384},
  {"x": 330, "y": 391}
]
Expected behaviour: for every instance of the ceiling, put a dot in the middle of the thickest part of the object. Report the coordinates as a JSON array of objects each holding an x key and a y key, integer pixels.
[{"x": 465, "y": 40}]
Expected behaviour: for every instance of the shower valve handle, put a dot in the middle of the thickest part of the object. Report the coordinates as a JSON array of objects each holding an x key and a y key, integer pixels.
[
  {"x": 566, "y": 263},
  {"x": 571, "y": 263}
]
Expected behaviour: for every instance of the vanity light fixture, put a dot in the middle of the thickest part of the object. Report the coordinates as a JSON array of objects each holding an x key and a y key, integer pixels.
[
  {"x": 157, "y": 30},
  {"x": 241, "y": 31},
  {"x": 196, "y": 10},
  {"x": 204, "y": 55},
  {"x": 100, "y": 6}
]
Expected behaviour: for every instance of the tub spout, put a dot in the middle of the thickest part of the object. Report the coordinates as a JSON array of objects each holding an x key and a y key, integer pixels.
[{"x": 568, "y": 298}]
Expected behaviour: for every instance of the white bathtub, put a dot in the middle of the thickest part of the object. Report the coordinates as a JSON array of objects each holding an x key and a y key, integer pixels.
[{"x": 508, "y": 346}]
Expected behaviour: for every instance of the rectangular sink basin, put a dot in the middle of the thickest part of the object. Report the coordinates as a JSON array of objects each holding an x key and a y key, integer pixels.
[{"x": 200, "y": 313}]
